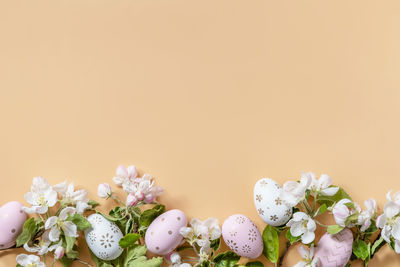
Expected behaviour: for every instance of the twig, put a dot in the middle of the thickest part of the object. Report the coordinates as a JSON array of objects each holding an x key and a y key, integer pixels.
[
  {"x": 83, "y": 262},
  {"x": 280, "y": 262}
]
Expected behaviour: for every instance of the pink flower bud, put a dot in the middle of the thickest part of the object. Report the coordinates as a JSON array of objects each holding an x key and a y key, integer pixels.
[
  {"x": 104, "y": 190},
  {"x": 59, "y": 252},
  {"x": 139, "y": 195},
  {"x": 149, "y": 198},
  {"x": 131, "y": 200}
]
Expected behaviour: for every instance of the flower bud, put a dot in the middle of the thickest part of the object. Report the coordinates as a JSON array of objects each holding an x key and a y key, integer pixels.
[
  {"x": 59, "y": 252},
  {"x": 131, "y": 200},
  {"x": 139, "y": 195},
  {"x": 149, "y": 198},
  {"x": 104, "y": 190}
]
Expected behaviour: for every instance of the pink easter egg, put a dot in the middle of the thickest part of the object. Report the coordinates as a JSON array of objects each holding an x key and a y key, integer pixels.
[
  {"x": 242, "y": 236},
  {"x": 12, "y": 219},
  {"x": 163, "y": 235},
  {"x": 334, "y": 250}
]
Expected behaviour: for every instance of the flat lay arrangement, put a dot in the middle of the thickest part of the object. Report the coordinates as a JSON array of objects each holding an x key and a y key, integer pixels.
[{"x": 140, "y": 232}]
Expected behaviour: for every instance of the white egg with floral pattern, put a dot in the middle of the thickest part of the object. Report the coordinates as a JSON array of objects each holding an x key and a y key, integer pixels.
[
  {"x": 103, "y": 238},
  {"x": 270, "y": 207}
]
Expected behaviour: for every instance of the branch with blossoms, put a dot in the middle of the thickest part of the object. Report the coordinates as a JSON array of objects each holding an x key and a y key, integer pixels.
[{"x": 57, "y": 220}]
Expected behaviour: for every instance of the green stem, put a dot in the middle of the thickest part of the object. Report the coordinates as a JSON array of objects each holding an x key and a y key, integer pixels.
[
  {"x": 118, "y": 200},
  {"x": 321, "y": 224},
  {"x": 83, "y": 262}
]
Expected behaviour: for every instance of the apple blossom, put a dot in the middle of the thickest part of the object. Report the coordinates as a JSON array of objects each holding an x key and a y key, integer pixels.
[
  {"x": 322, "y": 185},
  {"x": 70, "y": 196},
  {"x": 125, "y": 175},
  {"x": 302, "y": 225},
  {"x": 176, "y": 261},
  {"x": 58, "y": 249},
  {"x": 56, "y": 224},
  {"x": 294, "y": 192},
  {"x": 343, "y": 210},
  {"x": 365, "y": 217},
  {"x": 41, "y": 197},
  {"x": 29, "y": 261},
  {"x": 104, "y": 190},
  {"x": 308, "y": 257},
  {"x": 389, "y": 222},
  {"x": 131, "y": 200},
  {"x": 41, "y": 247}
]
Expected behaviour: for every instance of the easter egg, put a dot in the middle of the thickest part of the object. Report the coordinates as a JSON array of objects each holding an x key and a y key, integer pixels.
[
  {"x": 103, "y": 238},
  {"x": 242, "y": 236},
  {"x": 334, "y": 250},
  {"x": 270, "y": 207},
  {"x": 12, "y": 219},
  {"x": 163, "y": 235}
]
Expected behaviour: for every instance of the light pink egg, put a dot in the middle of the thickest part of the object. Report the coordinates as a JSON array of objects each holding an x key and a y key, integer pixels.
[
  {"x": 242, "y": 236},
  {"x": 334, "y": 250},
  {"x": 163, "y": 235},
  {"x": 12, "y": 219}
]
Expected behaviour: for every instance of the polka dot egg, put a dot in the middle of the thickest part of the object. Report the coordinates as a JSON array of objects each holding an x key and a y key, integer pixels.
[
  {"x": 242, "y": 236},
  {"x": 12, "y": 219},
  {"x": 163, "y": 235}
]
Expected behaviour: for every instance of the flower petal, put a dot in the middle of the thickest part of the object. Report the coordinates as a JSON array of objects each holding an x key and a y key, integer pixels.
[
  {"x": 50, "y": 222},
  {"x": 54, "y": 234},
  {"x": 70, "y": 229},
  {"x": 330, "y": 191},
  {"x": 307, "y": 237}
]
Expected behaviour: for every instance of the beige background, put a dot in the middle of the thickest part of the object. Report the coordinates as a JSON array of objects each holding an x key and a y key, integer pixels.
[{"x": 208, "y": 96}]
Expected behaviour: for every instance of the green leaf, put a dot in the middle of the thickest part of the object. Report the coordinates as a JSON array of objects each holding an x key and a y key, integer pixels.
[
  {"x": 334, "y": 229},
  {"x": 109, "y": 217},
  {"x": 271, "y": 243},
  {"x": 255, "y": 264},
  {"x": 148, "y": 216},
  {"x": 136, "y": 258},
  {"x": 215, "y": 244},
  {"x": 81, "y": 222},
  {"x": 360, "y": 249},
  {"x": 129, "y": 226},
  {"x": 351, "y": 218},
  {"x": 19, "y": 265},
  {"x": 322, "y": 209},
  {"x": 70, "y": 242},
  {"x": 292, "y": 238},
  {"x": 99, "y": 262},
  {"x": 377, "y": 245},
  {"x": 226, "y": 259},
  {"x": 29, "y": 230},
  {"x": 93, "y": 203},
  {"x": 128, "y": 240},
  {"x": 330, "y": 200},
  {"x": 65, "y": 261},
  {"x": 134, "y": 252}
]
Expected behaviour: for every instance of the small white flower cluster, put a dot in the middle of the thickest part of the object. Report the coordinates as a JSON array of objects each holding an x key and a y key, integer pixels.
[
  {"x": 308, "y": 259},
  {"x": 302, "y": 225},
  {"x": 42, "y": 197},
  {"x": 200, "y": 235},
  {"x": 349, "y": 214},
  {"x": 139, "y": 189},
  {"x": 389, "y": 221}
]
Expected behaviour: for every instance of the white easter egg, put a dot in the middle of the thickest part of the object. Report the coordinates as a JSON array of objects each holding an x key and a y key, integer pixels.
[
  {"x": 103, "y": 238},
  {"x": 269, "y": 205},
  {"x": 163, "y": 235}
]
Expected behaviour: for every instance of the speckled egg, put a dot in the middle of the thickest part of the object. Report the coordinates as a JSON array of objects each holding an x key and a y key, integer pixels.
[
  {"x": 270, "y": 207},
  {"x": 242, "y": 236},
  {"x": 163, "y": 235},
  {"x": 12, "y": 219},
  {"x": 334, "y": 250},
  {"x": 103, "y": 238}
]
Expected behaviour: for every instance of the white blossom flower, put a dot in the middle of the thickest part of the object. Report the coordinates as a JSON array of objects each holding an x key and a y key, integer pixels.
[
  {"x": 294, "y": 192},
  {"x": 389, "y": 222},
  {"x": 41, "y": 197},
  {"x": 365, "y": 217},
  {"x": 322, "y": 185},
  {"x": 104, "y": 190},
  {"x": 143, "y": 188},
  {"x": 131, "y": 200},
  {"x": 29, "y": 261},
  {"x": 42, "y": 247},
  {"x": 73, "y": 197},
  {"x": 341, "y": 211},
  {"x": 56, "y": 224},
  {"x": 395, "y": 198},
  {"x": 208, "y": 230},
  {"x": 176, "y": 261},
  {"x": 58, "y": 249},
  {"x": 125, "y": 175},
  {"x": 302, "y": 225},
  {"x": 308, "y": 257}
]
